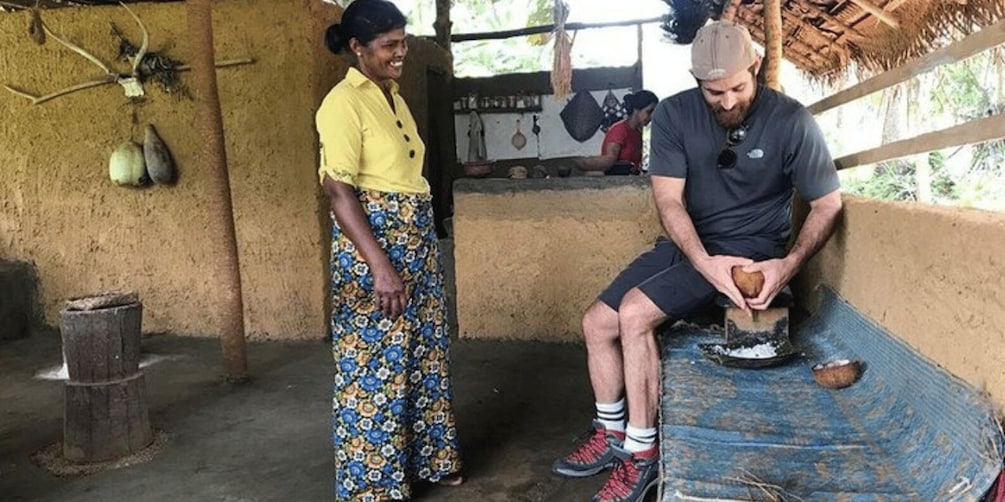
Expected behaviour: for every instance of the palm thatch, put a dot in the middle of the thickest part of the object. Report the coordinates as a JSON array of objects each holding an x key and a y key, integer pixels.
[{"x": 829, "y": 38}]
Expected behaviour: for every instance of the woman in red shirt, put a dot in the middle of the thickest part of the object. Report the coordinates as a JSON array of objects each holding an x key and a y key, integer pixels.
[{"x": 621, "y": 152}]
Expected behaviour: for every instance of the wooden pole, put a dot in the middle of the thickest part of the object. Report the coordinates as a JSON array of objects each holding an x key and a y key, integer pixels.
[
  {"x": 219, "y": 203},
  {"x": 638, "y": 47},
  {"x": 442, "y": 25},
  {"x": 773, "y": 43}
]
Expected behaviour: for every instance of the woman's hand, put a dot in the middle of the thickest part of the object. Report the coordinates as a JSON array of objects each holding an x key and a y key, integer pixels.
[
  {"x": 389, "y": 295},
  {"x": 389, "y": 292}
]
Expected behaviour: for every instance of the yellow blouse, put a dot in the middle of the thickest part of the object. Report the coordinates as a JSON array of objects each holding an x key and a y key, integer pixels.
[{"x": 366, "y": 144}]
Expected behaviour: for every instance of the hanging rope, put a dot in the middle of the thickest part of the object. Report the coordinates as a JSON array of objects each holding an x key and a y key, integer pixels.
[{"x": 561, "y": 70}]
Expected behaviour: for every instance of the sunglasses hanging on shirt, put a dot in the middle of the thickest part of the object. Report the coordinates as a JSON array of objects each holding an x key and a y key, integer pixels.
[{"x": 727, "y": 157}]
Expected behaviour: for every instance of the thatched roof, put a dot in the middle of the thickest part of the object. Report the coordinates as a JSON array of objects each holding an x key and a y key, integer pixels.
[{"x": 824, "y": 36}]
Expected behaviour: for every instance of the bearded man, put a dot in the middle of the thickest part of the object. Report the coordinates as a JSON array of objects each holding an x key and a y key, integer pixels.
[{"x": 725, "y": 160}]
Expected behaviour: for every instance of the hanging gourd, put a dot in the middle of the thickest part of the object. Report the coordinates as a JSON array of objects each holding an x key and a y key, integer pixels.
[
  {"x": 126, "y": 166},
  {"x": 158, "y": 159}
]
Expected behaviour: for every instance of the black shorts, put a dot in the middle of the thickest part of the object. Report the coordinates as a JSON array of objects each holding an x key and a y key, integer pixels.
[{"x": 666, "y": 276}]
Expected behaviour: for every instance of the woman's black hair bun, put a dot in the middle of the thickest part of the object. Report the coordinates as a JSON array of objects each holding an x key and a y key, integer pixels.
[{"x": 333, "y": 38}]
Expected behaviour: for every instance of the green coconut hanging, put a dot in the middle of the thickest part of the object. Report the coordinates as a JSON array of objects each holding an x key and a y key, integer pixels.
[{"x": 126, "y": 165}]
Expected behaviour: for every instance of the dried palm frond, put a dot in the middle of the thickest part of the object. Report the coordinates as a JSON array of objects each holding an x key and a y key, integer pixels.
[{"x": 561, "y": 71}]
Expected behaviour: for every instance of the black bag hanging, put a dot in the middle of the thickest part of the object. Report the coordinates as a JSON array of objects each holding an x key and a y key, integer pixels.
[{"x": 582, "y": 116}]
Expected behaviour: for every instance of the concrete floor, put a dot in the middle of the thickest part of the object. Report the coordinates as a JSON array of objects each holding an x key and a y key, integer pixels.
[{"x": 519, "y": 405}]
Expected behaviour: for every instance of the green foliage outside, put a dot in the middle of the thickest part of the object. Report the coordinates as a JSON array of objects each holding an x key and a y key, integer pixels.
[{"x": 970, "y": 175}]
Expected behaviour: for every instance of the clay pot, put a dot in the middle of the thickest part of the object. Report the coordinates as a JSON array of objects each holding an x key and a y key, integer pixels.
[
  {"x": 518, "y": 173},
  {"x": 477, "y": 169}
]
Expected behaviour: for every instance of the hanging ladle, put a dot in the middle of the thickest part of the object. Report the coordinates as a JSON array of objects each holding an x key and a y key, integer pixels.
[{"x": 519, "y": 140}]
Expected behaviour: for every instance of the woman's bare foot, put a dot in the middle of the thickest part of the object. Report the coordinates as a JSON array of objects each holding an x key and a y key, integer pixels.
[{"x": 452, "y": 480}]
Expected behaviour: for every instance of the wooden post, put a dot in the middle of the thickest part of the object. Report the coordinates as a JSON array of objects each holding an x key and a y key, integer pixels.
[
  {"x": 105, "y": 414},
  {"x": 773, "y": 43},
  {"x": 219, "y": 204},
  {"x": 442, "y": 25}
]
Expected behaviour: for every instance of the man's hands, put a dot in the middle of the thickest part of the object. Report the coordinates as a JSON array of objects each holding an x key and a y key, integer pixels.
[
  {"x": 389, "y": 293},
  {"x": 777, "y": 273},
  {"x": 717, "y": 270}
]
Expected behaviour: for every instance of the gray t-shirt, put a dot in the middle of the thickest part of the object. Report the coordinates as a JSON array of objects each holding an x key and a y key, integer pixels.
[{"x": 745, "y": 210}]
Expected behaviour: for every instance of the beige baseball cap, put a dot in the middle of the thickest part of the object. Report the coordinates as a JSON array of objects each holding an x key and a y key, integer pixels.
[{"x": 721, "y": 49}]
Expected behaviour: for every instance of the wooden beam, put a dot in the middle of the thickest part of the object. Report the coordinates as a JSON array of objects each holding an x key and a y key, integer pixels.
[
  {"x": 800, "y": 60},
  {"x": 976, "y": 131},
  {"x": 889, "y": 7},
  {"x": 794, "y": 19},
  {"x": 849, "y": 31},
  {"x": 987, "y": 38},
  {"x": 878, "y": 12},
  {"x": 807, "y": 62},
  {"x": 534, "y": 30}
]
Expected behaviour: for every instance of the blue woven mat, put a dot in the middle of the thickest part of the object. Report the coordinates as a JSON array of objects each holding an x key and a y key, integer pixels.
[{"x": 908, "y": 430}]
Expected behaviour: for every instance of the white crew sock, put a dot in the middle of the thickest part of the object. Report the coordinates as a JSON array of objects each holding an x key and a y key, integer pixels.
[
  {"x": 612, "y": 415},
  {"x": 639, "y": 439}
]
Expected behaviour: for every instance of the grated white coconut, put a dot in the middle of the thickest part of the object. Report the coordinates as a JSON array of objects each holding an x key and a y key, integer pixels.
[{"x": 759, "y": 351}]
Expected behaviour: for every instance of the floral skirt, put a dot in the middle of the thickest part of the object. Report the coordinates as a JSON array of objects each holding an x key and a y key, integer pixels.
[{"x": 392, "y": 417}]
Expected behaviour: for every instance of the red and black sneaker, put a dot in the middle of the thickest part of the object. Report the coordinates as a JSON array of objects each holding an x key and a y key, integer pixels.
[
  {"x": 599, "y": 452},
  {"x": 632, "y": 478}
]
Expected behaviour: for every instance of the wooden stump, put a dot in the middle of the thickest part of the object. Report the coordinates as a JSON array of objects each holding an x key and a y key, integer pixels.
[{"x": 105, "y": 397}]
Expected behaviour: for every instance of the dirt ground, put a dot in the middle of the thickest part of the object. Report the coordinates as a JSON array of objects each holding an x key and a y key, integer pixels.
[{"x": 519, "y": 405}]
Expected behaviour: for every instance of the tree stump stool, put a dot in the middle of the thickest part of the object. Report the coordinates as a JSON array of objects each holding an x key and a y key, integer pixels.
[{"x": 105, "y": 396}]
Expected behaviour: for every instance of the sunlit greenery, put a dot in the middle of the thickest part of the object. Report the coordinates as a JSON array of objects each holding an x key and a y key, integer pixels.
[{"x": 969, "y": 175}]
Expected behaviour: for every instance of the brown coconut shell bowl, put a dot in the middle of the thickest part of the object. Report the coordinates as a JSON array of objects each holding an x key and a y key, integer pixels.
[{"x": 837, "y": 374}]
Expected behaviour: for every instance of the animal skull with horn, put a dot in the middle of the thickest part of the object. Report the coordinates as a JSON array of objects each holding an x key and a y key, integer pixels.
[{"x": 130, "y": 82}]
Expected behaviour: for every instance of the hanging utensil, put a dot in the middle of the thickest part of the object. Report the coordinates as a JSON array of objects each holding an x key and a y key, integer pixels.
[
  {"x": 519, "y": 140},
  {"x": 537, "y": 136}
]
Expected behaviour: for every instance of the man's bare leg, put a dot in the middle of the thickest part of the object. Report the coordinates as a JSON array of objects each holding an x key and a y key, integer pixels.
[
  {"x": 600, "y": 451},
  {"x": 604, "y": 353},
  {"x": 637, "y": 473},
  {"x": 639, "y": 317}
]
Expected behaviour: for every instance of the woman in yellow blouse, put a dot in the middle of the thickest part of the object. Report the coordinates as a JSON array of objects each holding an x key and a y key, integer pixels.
[{"x": 392, "y": 415}]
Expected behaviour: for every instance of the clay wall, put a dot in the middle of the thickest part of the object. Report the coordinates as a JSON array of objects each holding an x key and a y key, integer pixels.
[{"x": 83, "y": 234}]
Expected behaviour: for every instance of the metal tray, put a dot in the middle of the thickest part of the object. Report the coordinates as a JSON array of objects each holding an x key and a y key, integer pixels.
[{"x": 715, "y": 352}]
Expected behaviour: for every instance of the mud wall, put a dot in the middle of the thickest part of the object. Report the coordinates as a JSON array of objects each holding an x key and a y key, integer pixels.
[
  {"x": 59, "y": 210},
  {"x": 531, "y": 255},
  {"x": 933, "y": 276}
]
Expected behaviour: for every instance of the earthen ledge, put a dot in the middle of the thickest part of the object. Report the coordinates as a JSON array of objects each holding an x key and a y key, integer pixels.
[{"x": 506, "y": 185}]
